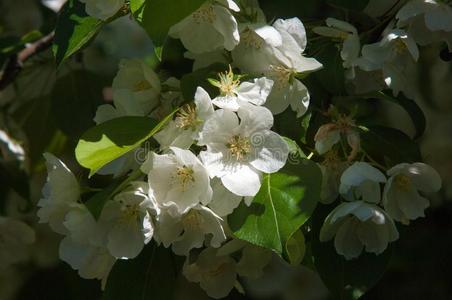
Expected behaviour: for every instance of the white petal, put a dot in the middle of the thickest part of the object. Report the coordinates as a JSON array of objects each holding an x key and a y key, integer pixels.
[
  {"x": 295, "y": 28},
  {"x": 346, "y": 241},
  {"x": 243, "y": 181},
  {"x": 226, "y": 24},
  {"x": 270, "y": 151}
]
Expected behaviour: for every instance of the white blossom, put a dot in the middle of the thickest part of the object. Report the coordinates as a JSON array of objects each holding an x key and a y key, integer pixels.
[
  {"x": 347, "y": 34},
  {"x": 178, "y": 181},
  {"x": 215, "y": 273},
  {"x": 84, "y": 247},
  {"x": 233, "y": 92},
  {"x": 15, "y": 238},
  {"x": 103, "y": 9},
  {"x": 136, "y": 91},
  {"x": 401, "y": 198},
  {"x": 256, "y": 51},
  {"x": 209, "y": 28},
  {"x": 130, "y": 225},
  {"x": 60, "y": 193},
  {"x": 361, "y": 181},
  {"x": 190, "y": 230},
  {"x": 437, "y": 15},
  {"x": 357, "y": 225},
  {"x": 394, "y": 55},
  {"x": 288, "y": 90},
  {"x": 238, "y": 152},
  {"x": 190, "y": 119}
]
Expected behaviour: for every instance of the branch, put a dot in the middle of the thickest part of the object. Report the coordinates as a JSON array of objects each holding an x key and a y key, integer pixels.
[{"x": 16, "y": 62}]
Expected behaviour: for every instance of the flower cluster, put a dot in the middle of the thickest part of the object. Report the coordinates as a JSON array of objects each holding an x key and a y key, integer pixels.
[
  {"x": 390, "y": 62},
  {"x": 214, "y": 152}
]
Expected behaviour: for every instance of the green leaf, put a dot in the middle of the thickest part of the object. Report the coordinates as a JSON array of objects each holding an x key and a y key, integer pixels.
[
  {"x": 157, "y": 16},
  {"x": 389, "y": 146},
  {"x": 152, "y": 275},
  {"x": 75, "y": 29},
  {"x": 346, "y": 279},
  {"x": 296, "y": 248},
  {"x": 410, "y": 106},
  {"x": 350, "y": 4},
  {"x": 284, "y": 203},
  {"x": 112, "y": 139},
  {"x": 75, "y": 99}
]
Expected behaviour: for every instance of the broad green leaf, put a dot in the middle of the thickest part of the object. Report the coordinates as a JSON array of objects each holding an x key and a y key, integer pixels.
[
  {"x": 157, "y": 16},
  {"x": 75, "y": 29},
  {"x": 349, "y": 4},
  {"x": 346, "y": 279},
  {"x": 389, "y": 146},
  {"x": 410, "y": 106},
  {"x": 296, "y": 248},
  {"x": 75, "y": 98},
  {"x": 284, "y": 203},
  {"x": 151, "y": 275},
  {"x": 112, "y": 139}
]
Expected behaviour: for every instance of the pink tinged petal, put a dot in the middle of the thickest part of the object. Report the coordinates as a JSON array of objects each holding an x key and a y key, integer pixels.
[{"x": 243, "y": 181}]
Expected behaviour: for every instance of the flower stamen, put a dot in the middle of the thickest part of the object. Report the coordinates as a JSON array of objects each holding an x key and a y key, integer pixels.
[{"x": 239, "y": 147}]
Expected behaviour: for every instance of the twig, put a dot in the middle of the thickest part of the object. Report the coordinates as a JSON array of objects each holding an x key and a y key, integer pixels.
[{"x": 16, "y": 62}]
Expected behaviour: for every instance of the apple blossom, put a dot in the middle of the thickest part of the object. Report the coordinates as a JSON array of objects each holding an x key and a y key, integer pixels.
[
  {"x": 401, "y": 198},
  {"x": 177, "y": 181},
  {"x": 136, "y": 91},
  {"x": 357, "y": 225},
  {"x": 361, "y": 181},
  {"x": 128, "y": 217},
  {"x": 215, "y": 273},
  {"x": 239, "y": 152},
  {"x": 209, "y": 28},
  {"x": 190, "y": 119},
  {"x": 233, "y": 92},
  {"x": 189, "y": 230},
  {"x": 60, "y": 193}
]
